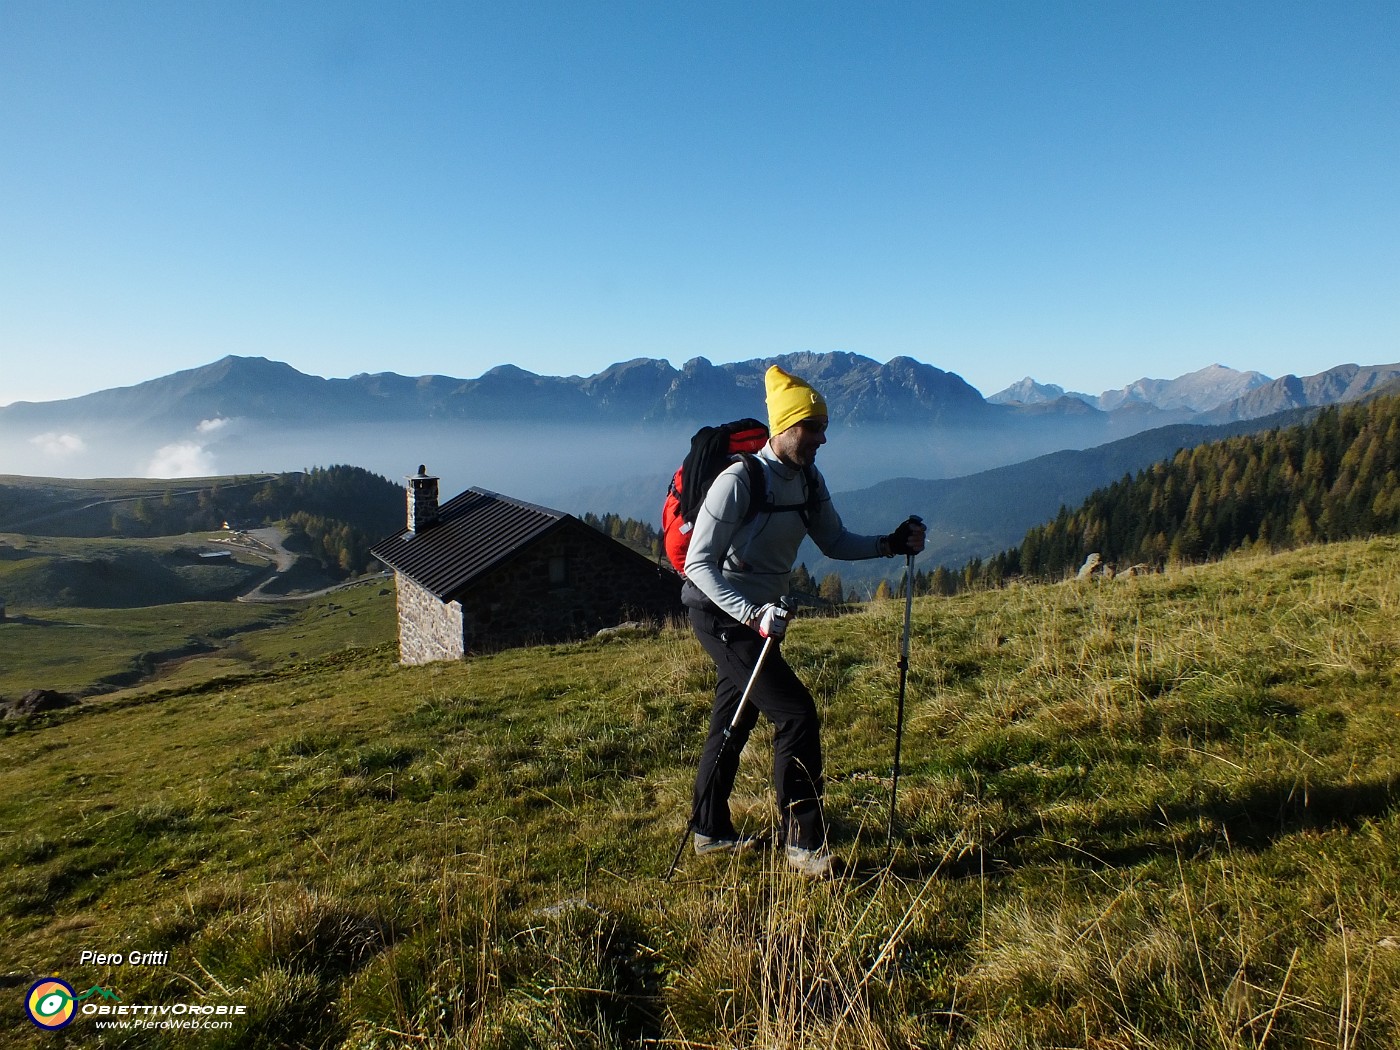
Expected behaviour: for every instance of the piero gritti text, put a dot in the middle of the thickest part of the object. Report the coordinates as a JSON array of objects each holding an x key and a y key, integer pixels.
[{"x": 92, "y": 958}]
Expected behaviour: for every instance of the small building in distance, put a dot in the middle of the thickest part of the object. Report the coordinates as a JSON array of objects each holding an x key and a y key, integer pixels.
[{"x": 484, "y": 571}]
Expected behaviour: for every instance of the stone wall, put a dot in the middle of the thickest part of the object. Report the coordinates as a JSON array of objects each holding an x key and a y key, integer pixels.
[
  {"x": 537, "y": 598},
  {"x": 569, "y": 585},
  {"x": 428, "y": 628}
]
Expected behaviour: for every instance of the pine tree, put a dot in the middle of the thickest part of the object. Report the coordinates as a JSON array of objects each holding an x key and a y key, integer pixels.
[
  {"x": 831, "y": 588},
  {"x": 801, "y": 581},
  {"x": 1332, "y": 479}
]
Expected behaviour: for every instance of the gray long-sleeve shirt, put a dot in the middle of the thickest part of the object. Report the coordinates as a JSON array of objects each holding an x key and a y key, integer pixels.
[{"x": 741, "y": 567}]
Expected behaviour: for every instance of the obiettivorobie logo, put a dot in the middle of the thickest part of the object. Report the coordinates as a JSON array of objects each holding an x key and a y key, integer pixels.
[{"x": 52, "y": 1003}]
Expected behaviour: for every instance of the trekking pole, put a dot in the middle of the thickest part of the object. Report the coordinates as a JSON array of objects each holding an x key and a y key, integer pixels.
[
  {"x": 903, "y": 680},
  {"x": 728, "y": 730}
]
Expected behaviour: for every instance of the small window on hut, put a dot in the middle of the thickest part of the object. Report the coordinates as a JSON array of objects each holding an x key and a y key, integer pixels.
[{"x": 558, "y": 572}]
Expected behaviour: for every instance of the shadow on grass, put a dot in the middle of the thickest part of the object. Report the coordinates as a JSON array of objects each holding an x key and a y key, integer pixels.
[
  {"x": 29, "y": 620},
  {"x": 1252, "y": 819},
  {"x": 1266, "y": 810}
]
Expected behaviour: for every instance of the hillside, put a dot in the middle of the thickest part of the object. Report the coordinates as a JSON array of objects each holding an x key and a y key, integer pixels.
[
  {"x": 102, "y": 654},
  {"x": 1157, "y": 813},
  {"x": 977, "y": 515},
  {"x": 42, "y": 573},
  {"x": 1335, "y": 477},
  {"x": 334, "y": 514}
]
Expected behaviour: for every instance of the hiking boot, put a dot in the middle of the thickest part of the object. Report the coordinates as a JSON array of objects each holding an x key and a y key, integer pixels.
[
  {"x": 736, "y": 843},
  {"x": 814, "y": 863}
]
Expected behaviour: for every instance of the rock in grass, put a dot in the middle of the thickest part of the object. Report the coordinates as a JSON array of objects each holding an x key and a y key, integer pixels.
[{"x": 35, "y": 702}]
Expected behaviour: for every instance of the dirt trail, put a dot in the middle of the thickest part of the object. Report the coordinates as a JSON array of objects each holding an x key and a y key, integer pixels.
[
  {"x": 271, "y": 539},
  {"x": 267, "y": 543}
]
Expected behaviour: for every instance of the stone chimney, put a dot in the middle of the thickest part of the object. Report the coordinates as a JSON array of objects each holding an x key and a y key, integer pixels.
[{"x": 422, "y": 500}]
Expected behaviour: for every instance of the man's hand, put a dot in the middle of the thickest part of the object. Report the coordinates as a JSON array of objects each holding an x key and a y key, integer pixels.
[
  {"x": 908, "y": 538},
  {"x": 771, "y": 621}
]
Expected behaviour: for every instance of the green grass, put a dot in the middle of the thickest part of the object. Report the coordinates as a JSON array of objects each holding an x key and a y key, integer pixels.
[
  {"x": 142, "y": 635},
  {"x": 116, "y": 653},
  {"x": 1149, "y": 813},
  {"x": 43, "y": 572}
]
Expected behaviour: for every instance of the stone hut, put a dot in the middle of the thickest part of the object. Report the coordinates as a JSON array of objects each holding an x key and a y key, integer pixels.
[{"x": 484, "y": 571}]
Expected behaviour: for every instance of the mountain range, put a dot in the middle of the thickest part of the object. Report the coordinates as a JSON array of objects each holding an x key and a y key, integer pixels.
[
  {"x": 642, "y": 391},
  {"x": 859, "y": 391},
  {"x": 1216, "y": 394},
  {"x": 985, "y": 468},
  {"x": 1198, "y": 391}
]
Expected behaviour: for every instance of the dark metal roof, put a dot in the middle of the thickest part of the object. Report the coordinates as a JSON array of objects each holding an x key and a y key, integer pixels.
[{"x": 474, "y": 533}]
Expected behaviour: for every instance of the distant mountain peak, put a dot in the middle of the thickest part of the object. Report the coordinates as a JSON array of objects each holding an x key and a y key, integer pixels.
[
  {"x": 1029, "y": 392},
  {"x": 1198, "y": 391},
  {"x": 233, "y": 364}
]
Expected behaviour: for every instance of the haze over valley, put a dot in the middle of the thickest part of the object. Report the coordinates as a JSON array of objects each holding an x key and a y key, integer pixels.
[
  {"x": 906, "y": 437},
  {"x": 607, "y": 442}
]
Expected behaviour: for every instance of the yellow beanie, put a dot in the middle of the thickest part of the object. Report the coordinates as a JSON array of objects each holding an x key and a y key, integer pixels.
[{"x": 790, "y": 400}]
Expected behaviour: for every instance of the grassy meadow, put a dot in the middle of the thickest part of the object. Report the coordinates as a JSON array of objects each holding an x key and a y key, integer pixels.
[
  {"x": 1155, "y": 813},
  {"x": 101, "y": 616},
  {"x": 48, "y": 571}
]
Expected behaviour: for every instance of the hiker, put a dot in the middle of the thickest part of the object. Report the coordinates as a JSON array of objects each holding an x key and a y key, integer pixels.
[{"x": 737, "y": 570}]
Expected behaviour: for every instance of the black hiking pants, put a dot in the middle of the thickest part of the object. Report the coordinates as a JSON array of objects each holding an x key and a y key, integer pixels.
[{"x": 797, "y": 752}]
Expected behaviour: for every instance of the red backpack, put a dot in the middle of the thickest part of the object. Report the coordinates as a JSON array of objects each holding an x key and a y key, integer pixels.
[{"x": 712, "y": 449}]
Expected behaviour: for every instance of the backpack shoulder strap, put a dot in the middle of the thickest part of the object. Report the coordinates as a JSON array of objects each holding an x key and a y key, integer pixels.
[
  {"x": 760, "y": 502},
  {"x": 758, "y": 486},
  {"x": 814, "y": 493},
  {"x": 808, "y": 509}
]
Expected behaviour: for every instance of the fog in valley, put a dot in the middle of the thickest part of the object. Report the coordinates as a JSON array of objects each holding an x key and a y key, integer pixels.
[
  {"x": 538, "y": 463},
  {"x": 572, "y": 468}
]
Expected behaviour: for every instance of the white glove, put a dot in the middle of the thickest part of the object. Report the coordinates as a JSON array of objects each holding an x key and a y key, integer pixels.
[{"x": 772, "y": 621}]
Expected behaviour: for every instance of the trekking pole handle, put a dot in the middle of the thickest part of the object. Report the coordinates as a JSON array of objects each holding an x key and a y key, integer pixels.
[{"x": 905, "y": 526}]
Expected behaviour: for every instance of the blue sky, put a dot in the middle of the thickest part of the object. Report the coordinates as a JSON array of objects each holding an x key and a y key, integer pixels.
[{"x": 1085, "y": 192}]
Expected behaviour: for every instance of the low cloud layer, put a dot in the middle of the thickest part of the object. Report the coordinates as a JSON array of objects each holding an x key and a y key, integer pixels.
[
  {"x": 183, "y": 459},
  {"x": 192, "y": 458},
  {"x": 59, "y": 445}
]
